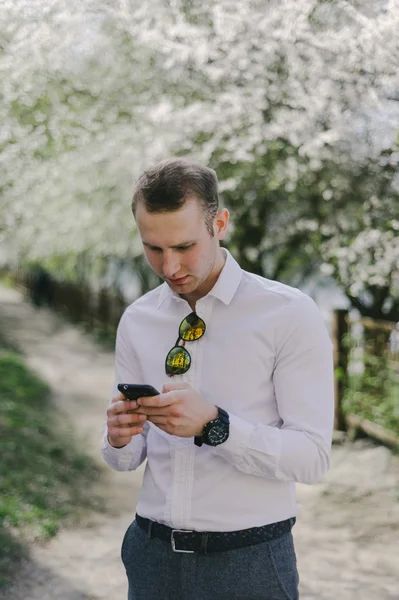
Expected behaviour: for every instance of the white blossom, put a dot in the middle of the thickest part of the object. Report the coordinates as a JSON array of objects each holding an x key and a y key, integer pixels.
[{"x": 93, "y": 92}]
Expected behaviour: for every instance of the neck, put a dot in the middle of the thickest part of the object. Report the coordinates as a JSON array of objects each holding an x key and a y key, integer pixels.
[{"x": 205, "y": 287}]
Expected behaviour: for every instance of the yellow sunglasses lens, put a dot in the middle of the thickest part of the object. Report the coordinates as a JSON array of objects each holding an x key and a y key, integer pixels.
[
  {"x": 192, "y": 328},
  {"x": 178, "y": 361}
]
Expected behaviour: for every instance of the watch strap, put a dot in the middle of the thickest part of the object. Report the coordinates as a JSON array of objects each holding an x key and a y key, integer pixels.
[{"x": 222, "y": 416}]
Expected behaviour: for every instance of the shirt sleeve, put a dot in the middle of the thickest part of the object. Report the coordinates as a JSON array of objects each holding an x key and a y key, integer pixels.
[
  {"x": 127, "y": 370},
  {"x": 299, "y": 449}
]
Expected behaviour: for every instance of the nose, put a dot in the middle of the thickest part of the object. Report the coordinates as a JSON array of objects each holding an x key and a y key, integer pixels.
[{"x": 171, "y": 265}]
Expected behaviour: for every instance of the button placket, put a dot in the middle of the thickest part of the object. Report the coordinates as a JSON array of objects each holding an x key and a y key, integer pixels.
[
  {"x": 184, "y": 449},
  {"x": 205, "y": 307},
  {"x": 183, "y": 463}
]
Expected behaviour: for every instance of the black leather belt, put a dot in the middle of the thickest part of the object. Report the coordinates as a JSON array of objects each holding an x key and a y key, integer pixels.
[{"x": 185, "y": 541}]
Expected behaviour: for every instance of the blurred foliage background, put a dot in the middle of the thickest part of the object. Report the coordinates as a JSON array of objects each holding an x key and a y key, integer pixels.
[{"x": 295, "y": 104}]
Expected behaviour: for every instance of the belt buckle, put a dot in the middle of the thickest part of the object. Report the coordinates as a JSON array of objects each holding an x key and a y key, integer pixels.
[{"x": 173, "y": 541}]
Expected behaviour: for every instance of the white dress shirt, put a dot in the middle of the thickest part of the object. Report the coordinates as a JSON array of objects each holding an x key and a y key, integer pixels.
[{"x": 266, "y": 358}]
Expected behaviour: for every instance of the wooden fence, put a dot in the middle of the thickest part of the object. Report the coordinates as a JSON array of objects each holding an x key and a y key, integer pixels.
[
  {"x": 366, "y": 357},
  {"x": 99, "y": 310}
]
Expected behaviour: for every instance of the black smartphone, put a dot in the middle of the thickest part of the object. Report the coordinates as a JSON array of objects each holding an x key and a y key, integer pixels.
[{"x": 132, "y": 391}]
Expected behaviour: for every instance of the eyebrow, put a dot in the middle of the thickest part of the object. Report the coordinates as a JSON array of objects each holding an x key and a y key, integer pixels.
[{"x": 176, "y": 246}]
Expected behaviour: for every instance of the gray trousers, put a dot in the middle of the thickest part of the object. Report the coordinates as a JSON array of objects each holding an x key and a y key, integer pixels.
[{"x": 265, "y": 571}]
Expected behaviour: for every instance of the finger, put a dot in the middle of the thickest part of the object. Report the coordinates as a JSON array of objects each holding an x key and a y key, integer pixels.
[
  {"x": 128, "y": 421},
  {"x": 171, "y": 387},
  {"x": 118, "y": 398},
  {"x": 151, "y": 411},
  {"x": 120, "y": 406},
  {"x": 161, "y": 400},
  {"x": 125, "y": 434},
  {"x": 123, "y": 419},
  {"x": 121, "y": 397},
  {"x": 133, "y": 420}
]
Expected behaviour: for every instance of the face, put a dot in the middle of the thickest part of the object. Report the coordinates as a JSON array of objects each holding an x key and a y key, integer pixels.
[{"x": 180, "y": 249}]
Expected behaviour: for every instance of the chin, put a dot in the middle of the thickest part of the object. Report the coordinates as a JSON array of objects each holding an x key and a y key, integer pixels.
[{"x": 187, "y": 288}]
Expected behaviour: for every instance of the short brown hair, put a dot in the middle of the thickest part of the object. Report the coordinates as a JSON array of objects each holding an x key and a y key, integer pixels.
[{"x": 166, "y": 186}]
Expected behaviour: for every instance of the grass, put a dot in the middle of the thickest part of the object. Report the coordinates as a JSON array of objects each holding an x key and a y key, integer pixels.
[
  {"x": 102, "y": 335},
  {"x": 44, "y": 478},
  {"x": 7, "y": 280}
]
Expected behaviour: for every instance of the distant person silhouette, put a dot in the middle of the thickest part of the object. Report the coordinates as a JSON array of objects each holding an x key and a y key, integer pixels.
[{"x": 42, "y": 287}]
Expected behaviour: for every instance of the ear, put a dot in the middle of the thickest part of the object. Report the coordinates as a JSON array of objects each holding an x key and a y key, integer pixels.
[{"x": 221, "y": 223}]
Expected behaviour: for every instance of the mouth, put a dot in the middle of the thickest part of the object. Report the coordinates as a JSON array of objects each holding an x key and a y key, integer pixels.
[{"x": 179, "y": 281}]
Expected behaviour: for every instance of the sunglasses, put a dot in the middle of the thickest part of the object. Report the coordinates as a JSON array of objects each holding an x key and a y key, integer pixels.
[{"x": 178, "y": 360}]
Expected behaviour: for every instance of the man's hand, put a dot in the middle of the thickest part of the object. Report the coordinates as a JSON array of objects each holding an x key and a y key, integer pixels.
[
  {"x": 123, "y": 422},
  {"x": 179, "y": 410}
]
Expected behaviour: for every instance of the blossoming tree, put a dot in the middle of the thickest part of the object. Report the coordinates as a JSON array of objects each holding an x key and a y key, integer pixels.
[{"x": 295, "y": 104}]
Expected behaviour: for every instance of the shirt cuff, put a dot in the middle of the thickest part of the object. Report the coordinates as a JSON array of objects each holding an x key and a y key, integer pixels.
[
  {"x": 236, "y": 445},
  {"x": 122, "y": 455}
]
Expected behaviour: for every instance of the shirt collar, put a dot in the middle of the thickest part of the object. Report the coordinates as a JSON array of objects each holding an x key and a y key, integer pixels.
[{"x": 224, "y": 288}]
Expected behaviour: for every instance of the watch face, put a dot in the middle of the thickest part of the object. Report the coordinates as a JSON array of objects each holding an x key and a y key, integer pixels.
[{"x": 218, "y": 434}]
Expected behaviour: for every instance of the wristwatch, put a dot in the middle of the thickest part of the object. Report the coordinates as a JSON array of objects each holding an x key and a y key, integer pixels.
[{"x": 216, "y": 431}]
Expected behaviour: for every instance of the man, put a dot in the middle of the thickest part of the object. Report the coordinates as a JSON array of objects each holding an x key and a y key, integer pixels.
[{"x": 246, "y": 408}]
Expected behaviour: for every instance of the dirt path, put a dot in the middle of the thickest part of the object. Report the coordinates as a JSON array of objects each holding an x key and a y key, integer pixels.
[{"x": 347, "y": 530}]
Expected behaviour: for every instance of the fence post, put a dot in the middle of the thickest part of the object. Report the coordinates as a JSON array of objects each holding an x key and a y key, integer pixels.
[{"x": 340, "y": 328}]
